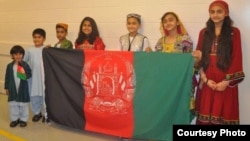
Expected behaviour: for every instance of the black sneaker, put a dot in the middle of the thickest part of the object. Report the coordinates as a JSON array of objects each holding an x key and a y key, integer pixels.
[
  {"x": 37, "y": 117},
  {"x": 22, "y": 123},
  {"x": 14, "y": 123}
]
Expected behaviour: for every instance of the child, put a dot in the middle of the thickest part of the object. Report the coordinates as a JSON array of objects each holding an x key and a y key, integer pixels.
[
  {"x": 175, "y": 38},
  {"x": 61, "y": 33},
  {"x": 34, "y": 57},
  {"x": 219, "y": 57},
  {"x": 134, "y": 41},
  {"x": 16, "y": 87},
  {"x": 88, "y": 37}
]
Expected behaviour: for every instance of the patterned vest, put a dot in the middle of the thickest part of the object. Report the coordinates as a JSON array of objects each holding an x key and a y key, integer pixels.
[{"x": 135, "y": 45}]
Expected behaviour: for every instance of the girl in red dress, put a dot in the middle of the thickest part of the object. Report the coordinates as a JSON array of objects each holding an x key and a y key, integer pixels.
[
  {"x": 88, "y": 36},
  {"x": 219, "y": 58}
]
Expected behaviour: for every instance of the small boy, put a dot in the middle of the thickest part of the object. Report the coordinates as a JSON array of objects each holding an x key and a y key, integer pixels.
[
  {"x": 16, "y": 86},
  {"x": 33, "y": 57},
  {"x": 61, "y": 33},
  {"x": 133, "y": 40}
]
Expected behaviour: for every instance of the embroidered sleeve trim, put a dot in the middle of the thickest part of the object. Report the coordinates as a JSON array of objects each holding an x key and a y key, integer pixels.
[{"x": 235, "y": 78}]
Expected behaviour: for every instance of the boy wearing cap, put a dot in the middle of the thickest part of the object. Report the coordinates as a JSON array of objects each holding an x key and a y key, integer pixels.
[
  {"x": 61, "y": 33},
  {"x": 134, "y": 41}
]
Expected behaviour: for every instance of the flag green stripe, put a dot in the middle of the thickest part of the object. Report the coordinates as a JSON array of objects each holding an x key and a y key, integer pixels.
[
  {"x": 162, "y": 93},
  {"x": 21, "y": 75}
]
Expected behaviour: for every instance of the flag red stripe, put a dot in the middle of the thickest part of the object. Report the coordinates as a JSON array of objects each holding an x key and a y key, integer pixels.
[{"x": 108, "y": 108}]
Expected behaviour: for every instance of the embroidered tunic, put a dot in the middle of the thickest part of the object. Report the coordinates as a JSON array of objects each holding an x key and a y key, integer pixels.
[
  {"x": 64, "y": 44},
  {"x": 97, "y": 45},
  {"x": 183, "y": 44}
]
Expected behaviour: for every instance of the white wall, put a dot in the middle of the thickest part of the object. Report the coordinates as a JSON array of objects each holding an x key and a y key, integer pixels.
[{"x": 19, "y": 18}]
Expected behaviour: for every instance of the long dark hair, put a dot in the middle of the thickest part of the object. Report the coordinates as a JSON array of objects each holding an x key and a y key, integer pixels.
[
  {"x": 92, "y": 36},
  {"x": 224, "y": 49}
]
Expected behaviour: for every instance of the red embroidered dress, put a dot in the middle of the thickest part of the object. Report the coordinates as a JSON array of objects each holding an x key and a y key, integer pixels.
[
  {"x": 97, "y": 45},
  {"x": 221, "y": 107}
]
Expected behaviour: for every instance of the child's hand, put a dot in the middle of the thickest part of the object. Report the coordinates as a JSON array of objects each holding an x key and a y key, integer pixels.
[
  {"x": 83, "y": 46},
  {"x": 7, "y": 91},
  {"x": 212, "y": 84},
  {"x": 197, "y": 54},
  {"x": 49, "y": 45},
  {"x": 221, "y": 86},
  {"x": 201, "y": 85},
  {"x": 148, "y": 49}
]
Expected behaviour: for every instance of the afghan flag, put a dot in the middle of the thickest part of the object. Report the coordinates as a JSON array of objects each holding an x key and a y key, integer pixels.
[
  {"x": 20, "y": 72},
  {"x": 127, "y": 94}
]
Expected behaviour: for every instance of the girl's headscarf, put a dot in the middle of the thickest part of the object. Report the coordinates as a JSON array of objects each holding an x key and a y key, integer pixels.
[
  {"x": 180, "y": 27},
  {"x": 221, "y": 4}
]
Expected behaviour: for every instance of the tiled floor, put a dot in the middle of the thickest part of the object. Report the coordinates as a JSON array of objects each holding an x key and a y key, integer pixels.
[{"x": 43, "y": 132}]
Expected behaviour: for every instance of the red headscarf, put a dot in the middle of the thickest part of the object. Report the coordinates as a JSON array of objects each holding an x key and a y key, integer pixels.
[{"x": 221, "y": 4}]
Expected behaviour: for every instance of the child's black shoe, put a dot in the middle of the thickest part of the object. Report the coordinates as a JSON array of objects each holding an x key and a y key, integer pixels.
[
  {"x": 22, "y": 123},
  {"x": 37, "y": 117},
  {"x": 14, "y": 123}
]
